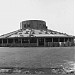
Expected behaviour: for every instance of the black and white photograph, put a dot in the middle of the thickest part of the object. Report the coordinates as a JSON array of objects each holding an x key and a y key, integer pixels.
[{"x": 37, "y": 37}]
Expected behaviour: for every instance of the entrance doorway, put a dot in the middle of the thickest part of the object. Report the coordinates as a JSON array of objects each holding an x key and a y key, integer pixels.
[{"x": 41, "y": 42}]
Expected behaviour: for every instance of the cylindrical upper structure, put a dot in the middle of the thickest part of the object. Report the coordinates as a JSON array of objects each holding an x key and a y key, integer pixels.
[{"x": 33, "y": 24}]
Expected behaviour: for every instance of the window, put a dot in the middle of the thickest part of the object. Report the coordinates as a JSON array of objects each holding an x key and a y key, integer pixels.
[
  {"x": 55, "y": 39},
  {"x": 0, "y": 41},
  {"x": 70, "y": 39},
  {"x": 10, "y": 40},
  {"x": 48, "y": 39},
  {"x": 41, "y": 41},
  {"x": 66, "y": 39},
  {"x": 61, "y": 39},
  {"x": 25, "y": 40},
  {"x": 17, "y": 40},
  {"x": 33, "y": 40},
  {"x": 4, "y": 40}
]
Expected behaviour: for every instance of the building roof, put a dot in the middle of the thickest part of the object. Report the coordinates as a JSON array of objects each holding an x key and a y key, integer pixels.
[
  {"x": 34, "y": 33},
  {"x": 34, "y": 28}
]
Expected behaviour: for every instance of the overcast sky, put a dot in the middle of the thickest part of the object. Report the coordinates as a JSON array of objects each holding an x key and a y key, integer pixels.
[{"x": 58, "y": 14}]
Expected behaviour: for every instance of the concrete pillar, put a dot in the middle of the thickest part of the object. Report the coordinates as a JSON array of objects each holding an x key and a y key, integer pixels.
[
  {"x": 52, "y": 39},
  {"x": 21, "y": 40},
  {"x": 72, "y": 39},
  {"x": 59, "y": 41},
  {"x": 64, "y": 42},
  {"x": 44, "y": 42},
  {"x": 29, "y": 42},
  {"x": 64, "y": 39},
  {"x": 52, "y": 42},
  {"x": 68, "y": 40},
  {"x": 7, "y": 43},
  {"x": 72, "y": 42},
  {"x": 13, "y": 41},
  {"x": 37, "y": 42},
  {"x": 2, "y": 41}
]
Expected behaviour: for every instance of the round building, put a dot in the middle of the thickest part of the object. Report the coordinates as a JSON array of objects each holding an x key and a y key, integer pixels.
[{"x": 34, "y": 33}]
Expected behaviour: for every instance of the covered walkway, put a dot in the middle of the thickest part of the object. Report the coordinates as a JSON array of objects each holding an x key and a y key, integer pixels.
[{"x": 36, "y": 42}]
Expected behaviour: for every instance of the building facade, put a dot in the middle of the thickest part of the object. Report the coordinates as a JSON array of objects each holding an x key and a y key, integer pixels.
[{"x": 34, "y": 33}]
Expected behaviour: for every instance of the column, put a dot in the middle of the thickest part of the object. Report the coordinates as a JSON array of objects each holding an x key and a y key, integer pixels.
[
  {"x": 59, "y": 41},
  {"x": 72, "y": 41},
  {"x": 2, "y": 42},
  {"x": 21, "y": 40},
  {"x": 68, "y": 42},
  {"x": 52, "y": 42},
  {"x": 29, "y": 44},
  {"x": 37, "y": 42},
  {"x": 52, "y": 39},
  {"x": 7, "y": 41},
  {"x": 44, "y": 42},
  {"x": 13, "y": 44},
  {"x": 64, "y": 41}
]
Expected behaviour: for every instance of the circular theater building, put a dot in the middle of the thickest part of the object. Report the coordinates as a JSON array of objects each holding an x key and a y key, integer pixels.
[{"x": 34, "y": 33}]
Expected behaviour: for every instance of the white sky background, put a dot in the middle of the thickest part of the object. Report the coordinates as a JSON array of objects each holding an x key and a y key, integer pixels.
[{"x": 58, "y": 14}]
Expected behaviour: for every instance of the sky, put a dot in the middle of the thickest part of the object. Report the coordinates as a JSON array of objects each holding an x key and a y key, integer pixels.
[{"x": 58, "y": 14}]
